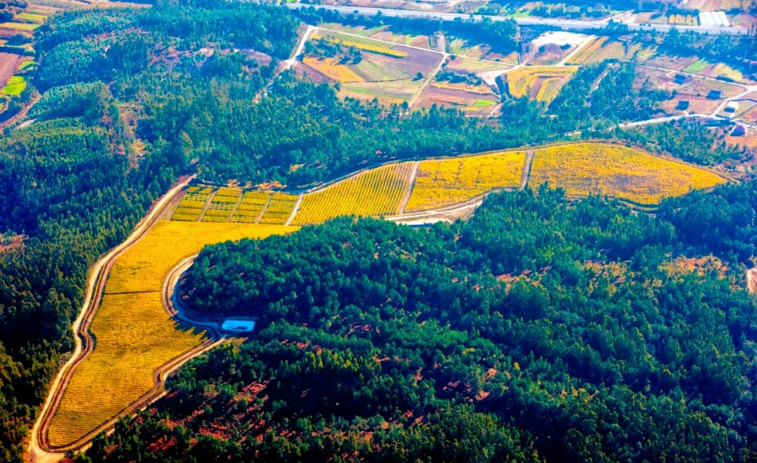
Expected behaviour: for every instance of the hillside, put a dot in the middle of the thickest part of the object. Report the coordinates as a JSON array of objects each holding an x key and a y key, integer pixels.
[
  {"x": 133, "y": 134},
  {"x": 536, "y": 331}
]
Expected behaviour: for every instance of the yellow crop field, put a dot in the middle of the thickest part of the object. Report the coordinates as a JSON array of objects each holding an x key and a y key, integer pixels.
[
  {"x": 361, "y": 43},
  {"x": 549, "y": 90},
  {"x": 330, "y": 68},
  {"x": 134, "y": 333},
  {"x": 445, "y": 182},
  {"x": 588, "y": 50},
  {"x": 192, "y": 204},
  {"x": 372, "y": 193},
  {"x": 722, "y": 69},
  {"x": 251, "y": 206},
  {"x": 19, "y": 26},
  {"x": 222, "y": 205},
  {"x": 683, "y": 19},
  {"x": 594, "y": 168},
  {"x": 520, "y": 81},
  {"x": 279, "y": 209}
]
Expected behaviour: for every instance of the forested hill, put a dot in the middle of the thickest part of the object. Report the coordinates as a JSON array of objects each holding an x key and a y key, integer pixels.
[{"x": 540, "y": 330}]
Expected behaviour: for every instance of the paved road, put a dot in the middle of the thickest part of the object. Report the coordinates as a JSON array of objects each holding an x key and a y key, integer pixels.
[{"x": 571, "y": 24}]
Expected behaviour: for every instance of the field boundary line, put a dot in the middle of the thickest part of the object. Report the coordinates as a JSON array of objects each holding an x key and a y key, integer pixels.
[
  {"x": 236, "y": 207},
  {"x": 265, "y": 208},
  {"x": 410, "y": 187},
  {"x": 427, "y": 82},
  {"x": 207, "y": 205},
  {"x": 295, "y": 210},
  {"x": 84, "y": 343},
  {"x": 525, "y": 174}
]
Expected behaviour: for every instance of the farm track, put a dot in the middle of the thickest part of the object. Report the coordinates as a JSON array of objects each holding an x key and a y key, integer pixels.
[
  {"x": 21, "y": 114},
  {"x": 39, "y": 449},
  {"x": 410, "y": 186},
  {"x": 526, "y": 172},
  {"x": 428, "y": 80},
  {"x": 295, "y": 210}
]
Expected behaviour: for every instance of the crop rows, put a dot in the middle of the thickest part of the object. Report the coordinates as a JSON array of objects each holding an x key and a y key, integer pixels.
[
  {"x": 279, "y": 209},
  {"x": 445, "y": 182},
  {"x": 222, "y": 205},
  {"x": 251, "y": 206},
  {"x": 192, "y": 204},
  {"x": 362, "y": 43},
  {"x": 588, "y": 50},
  {"x": 135, "y": 335},
  {"x": 521, "y": 80},
  {"x": 683, "y": 19},
  {"x": 582, "y": 169},
  {"x": 549, "y": 90},
  {"x": 373, "y": 193}
]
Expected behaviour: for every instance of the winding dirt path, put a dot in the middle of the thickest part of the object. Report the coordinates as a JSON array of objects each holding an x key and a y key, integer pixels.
[{"x": 39, "y": 450}]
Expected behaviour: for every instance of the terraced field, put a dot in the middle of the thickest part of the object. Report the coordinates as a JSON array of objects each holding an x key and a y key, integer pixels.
[
  {"x": 527, "y": 81},
  {"x": 135, "y": 335},
  {"x": 580, "y": 168},
  {"x": 193, "y": 204},
  {"x": 223, "y": 205},
  {"x": 585, "y": 168},
  {"x": 373, "y": 193},
  {"x": 361, "y": 43},
  {"x": 445, "y": 182}
]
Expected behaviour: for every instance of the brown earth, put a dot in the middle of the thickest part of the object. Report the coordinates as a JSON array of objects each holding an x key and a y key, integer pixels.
[{"x": 8, "y": 64}]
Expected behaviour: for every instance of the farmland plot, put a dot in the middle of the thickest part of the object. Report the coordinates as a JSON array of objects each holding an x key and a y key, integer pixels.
[
  {"x": 527, "y": 81},
  {"x": 372, "y": 193},
  {"x": 135, "y": 335},
  {"x": 445, "y": 182},
  {"x": 192, "y": 204},
  {"x": 627, "y": 173},
  {"x": 472, "y": 99}
]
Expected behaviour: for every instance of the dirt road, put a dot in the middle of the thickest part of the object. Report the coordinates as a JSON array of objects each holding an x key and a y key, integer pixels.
[{"x": 38, "y": 450}]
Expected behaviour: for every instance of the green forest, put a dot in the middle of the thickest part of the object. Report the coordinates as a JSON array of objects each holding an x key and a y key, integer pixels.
[
  {"x": 539, "y": 330},
  {"x": 133, "y": 98}
]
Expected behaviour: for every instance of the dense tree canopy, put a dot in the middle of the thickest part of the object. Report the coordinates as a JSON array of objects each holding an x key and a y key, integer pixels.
[
  {"x": 134, "y": 97},
  {"x": 538, "y": 330}
]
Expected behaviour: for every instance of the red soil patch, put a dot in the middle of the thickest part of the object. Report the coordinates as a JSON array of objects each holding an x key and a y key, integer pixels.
[
  {"x": 301, "y": 69},
  {"x": 8, "y": 64}
]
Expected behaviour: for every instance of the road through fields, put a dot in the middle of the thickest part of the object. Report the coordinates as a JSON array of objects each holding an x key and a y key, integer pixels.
[{"x": 38, "y": 451}]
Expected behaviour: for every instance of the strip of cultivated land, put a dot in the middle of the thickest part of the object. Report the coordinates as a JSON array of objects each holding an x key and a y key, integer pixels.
[
  {"x": 392, "y": 190},
  {"x": 627, "y": 173},
  {"x": 134, "y": 334}
]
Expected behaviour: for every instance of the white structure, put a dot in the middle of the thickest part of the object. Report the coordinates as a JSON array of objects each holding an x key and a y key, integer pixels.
[{"x": 714, "y": 18}]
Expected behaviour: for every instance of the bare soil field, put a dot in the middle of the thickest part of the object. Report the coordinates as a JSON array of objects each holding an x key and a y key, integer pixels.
[
  {"x": 302, "y": 69},
  {"x": 8, "y": 64},
  {"x": 750, "y": 116},
  {"x": 474, "y": 66},
  {"x": 471, "y": 100},
  {"x": 697, "y": 105}
]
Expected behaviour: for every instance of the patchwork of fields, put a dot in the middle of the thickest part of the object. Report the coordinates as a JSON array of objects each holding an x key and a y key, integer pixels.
[
  {"x": 134, "y": 333},
  {"x": 410, "y": 187},
  {"x": 135, "y": 336},
  {"x": 208, "y": 204}
]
